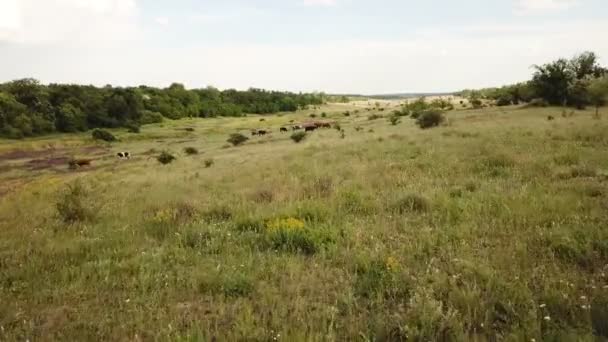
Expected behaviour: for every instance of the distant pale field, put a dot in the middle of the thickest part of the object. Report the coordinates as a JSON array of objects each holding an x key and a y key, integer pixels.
[{"x": 491, "y": 227}]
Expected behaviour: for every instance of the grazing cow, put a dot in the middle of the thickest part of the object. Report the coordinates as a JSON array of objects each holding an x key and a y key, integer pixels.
[
  {"x": 310, "y": 128},
  {"x": 283, "y": 129},
  {"x": 124, "y": 155},
  {"x": 263, "y": 132},
  {"x": 254, "y": 133},
  {"x": 76, "y": 163},
  {"x": 296, "y": 127}
]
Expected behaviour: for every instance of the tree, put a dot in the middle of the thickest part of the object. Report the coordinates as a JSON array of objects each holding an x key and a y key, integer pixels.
[
  {"x": 70, "y": 119},
  {"x": 551, "y": 81},
  {"x": 12, "y": 115},
  {"x": 598, "y": 93}
]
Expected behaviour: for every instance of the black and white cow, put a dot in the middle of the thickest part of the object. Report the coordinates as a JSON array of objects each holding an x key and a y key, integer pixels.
[{"x": 124, "y": 155}]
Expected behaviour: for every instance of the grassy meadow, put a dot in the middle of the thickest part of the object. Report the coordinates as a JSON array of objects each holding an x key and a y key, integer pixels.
[{"x": 491, "y": 227}]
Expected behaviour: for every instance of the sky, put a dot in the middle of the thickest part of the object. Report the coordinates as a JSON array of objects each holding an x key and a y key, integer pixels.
[{"x": 336, "y": 46}]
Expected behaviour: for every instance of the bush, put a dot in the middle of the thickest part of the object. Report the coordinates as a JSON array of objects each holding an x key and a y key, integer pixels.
[
  {"x": 411, "y": 203},
  {"x": 74, "y": 205},
  {"x": 237, "y": 139},
  {"x": 292, "y": 235},
  {"x": 133, "y": 128},
  {"x": 428, "y": 119},
  {"x": 165, "y": 158},
  {"x": 209, "y": 162},
  {"x": 476, "y": 103},
  {"x": 347, "y": 113},
  {"x": 298, "y": 136},
  {"x": 323, "y": 115},
  {"x": 249, "y": 224},
  {"x": 374, "y": 117},
  {"x": 190, "y": 150},
  {"x": 313, "y": 115},
  {"x": 149, "y": 117},
  {"x": 100, "y": 134},
  {"x": 394, "y": 120}
]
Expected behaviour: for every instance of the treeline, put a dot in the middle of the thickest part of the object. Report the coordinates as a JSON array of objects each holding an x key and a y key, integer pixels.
[
  {"x": 28, "y": 108},
  {"x": 577, "y": 82}
]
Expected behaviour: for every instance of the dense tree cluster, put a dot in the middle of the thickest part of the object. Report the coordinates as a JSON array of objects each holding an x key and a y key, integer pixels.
[
  {"x": 576, "y": 82},
  {"x": 28, "y": 108}
]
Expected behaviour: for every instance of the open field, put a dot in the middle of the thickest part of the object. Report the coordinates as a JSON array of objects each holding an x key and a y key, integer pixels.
[{"x": 492, "y": 227}]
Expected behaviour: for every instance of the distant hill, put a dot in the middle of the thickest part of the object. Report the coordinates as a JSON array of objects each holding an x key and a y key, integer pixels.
[{"x": 396, "y": 96}]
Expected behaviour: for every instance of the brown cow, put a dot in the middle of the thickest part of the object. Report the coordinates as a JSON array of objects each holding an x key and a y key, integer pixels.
[{"x": 310, "y": 127}]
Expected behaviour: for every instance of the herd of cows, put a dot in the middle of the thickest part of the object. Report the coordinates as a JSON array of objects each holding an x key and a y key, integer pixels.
[{"x": 307, "y": 127}]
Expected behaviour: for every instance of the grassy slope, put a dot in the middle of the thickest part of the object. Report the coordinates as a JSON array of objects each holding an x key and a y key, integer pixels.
[{"x": 493, "y": 226}]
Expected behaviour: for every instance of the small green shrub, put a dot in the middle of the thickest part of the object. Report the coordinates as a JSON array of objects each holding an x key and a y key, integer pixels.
[
  {"x": 430, "y": 118},
  {"x": 100, "y": 134},
  {"x": 237, "y": 139},
  {"x": 233, "y": 284},
  {"x": 394, "y": 120},
  {"x": 298, "y": 136},
  {"x": 238, "y": 285},
  {"x": 133, "y": 128},
  {"x": 249, "y": 224},
  {"x": 74, "y": 204},
  {"x": 347, "y": 113},
  {"x": 313, "y": 115},
  {"x": 374, "y": 117},
  {"x": 165, "y": 158},
  {"x": 190, "y": 150},
  {"x": 323, "y": 115},
  {"x": 411, "y": 203},
  {"x": 149, "y": 117},
  {"x": 294, "y": 236},
  {"x": 208, "y": 163},
  {"x": 312, "y": 211}
]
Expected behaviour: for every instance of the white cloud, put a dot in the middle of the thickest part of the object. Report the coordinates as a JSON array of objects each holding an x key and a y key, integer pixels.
[
  {"x": 162, "y": 21},
  {"x": 427, "y": 62},
  {"x": 325, "y": 3},
  {"x": 71, "y": 21},
  {"x": 524, "y": 7}
]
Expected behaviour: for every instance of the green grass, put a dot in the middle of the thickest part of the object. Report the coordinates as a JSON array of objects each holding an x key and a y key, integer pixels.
[{"x": 491, "y": 227}]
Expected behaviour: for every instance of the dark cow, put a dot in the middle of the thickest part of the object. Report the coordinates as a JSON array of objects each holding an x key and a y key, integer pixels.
[
  {"x": 263, "y": 132},
  {"x": 76, "y": 163},
  {"x": 310, "y": 128},
  {"x": 254, "y": 133},
  {"x": 283, "y": 129},
  {"x": 550, "y": 118},
  {"x": 124, "y": 155}
]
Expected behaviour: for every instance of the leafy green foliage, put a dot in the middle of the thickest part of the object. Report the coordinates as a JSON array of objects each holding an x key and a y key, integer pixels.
[
  {"x": 100, "y": 134},
  {"x": 429, "y": 119},
  {"x": 191, "y": 150},
  {"x": 394, "y": 120},
  {"x": 237, "y": 139},
  {"x": 28, "y": 108},
  {"x": 74, "y": 204},
  {"x": 165, "y": 158},
  {"x": 298, "y": 136}
]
